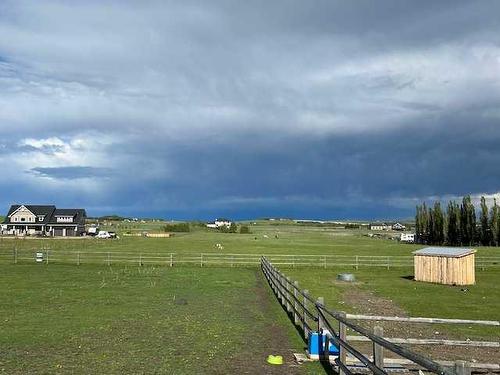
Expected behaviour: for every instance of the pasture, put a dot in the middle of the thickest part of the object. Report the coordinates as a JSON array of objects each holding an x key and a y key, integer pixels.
[
  {"x": 62, "y": 317},
  {"x": 107, "y": 320}
]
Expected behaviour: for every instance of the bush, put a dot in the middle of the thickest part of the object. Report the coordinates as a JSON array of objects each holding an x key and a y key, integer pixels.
[
  {"x": 352, "y": 226},
  {"x": 179, "y": 227},
  {"x": 244, "y": 229}
]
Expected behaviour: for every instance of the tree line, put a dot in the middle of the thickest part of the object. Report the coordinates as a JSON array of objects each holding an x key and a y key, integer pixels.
[{"x": 458, "y": 225}]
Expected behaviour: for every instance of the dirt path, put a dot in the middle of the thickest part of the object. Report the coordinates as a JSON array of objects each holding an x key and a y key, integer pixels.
[
  {"x": 273, "y": 339},
  {"x": 366, "y": 302}
]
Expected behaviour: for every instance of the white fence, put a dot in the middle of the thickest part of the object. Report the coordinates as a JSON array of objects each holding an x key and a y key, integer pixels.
[{"x": 217, "y": 259}]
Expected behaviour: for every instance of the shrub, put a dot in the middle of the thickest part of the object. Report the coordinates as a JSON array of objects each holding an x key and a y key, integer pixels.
[
  {"x": 178, "y": 227},
  {"x": 244, "y": 229}
]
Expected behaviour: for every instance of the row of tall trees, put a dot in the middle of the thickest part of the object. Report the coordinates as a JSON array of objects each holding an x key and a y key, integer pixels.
[{"x": 458, "y": 225}]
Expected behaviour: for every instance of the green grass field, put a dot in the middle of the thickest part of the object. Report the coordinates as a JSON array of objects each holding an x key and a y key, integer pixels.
[
  {"x": 107, "y": 320},
  {"x": 98, "y": 319},
  {"x": 292, "y": 239}
]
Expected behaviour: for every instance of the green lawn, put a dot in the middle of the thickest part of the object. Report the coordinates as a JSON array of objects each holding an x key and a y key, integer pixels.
[
  {"x": 291, "y": 239},
  {"x": 97, "y": 319}
]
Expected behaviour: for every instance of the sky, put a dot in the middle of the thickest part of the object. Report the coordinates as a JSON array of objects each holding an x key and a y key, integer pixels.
[{"x": 245, "y": 109}]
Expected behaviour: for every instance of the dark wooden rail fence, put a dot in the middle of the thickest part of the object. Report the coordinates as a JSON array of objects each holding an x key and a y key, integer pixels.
[{"x": 311, "y": 315}]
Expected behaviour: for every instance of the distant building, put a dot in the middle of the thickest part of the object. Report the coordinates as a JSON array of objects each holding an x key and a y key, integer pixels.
[
  {"x": 379, "y": 226},
  {"x": 398, "y": 226},
  {"x": 24, "y": 220},
  {"x": 407, "y": 237},
  {"x": 219, "y": 223}
]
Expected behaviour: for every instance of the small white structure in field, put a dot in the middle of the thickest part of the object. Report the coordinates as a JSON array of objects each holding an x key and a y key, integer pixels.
[
  {"x": 219, "y": 223},
  {"x": 219, "y": 246},
  {"x": 379, "y": 226},
  {"x": 407, "y": 237},
  {"x": 222, "y": 223},
  {"x": 398, "y": 226}
]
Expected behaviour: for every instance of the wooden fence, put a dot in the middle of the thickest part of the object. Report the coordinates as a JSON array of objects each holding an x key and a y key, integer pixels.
[
  {"x": 80, "y": 257},
  {"x": 310, "y": 314}
]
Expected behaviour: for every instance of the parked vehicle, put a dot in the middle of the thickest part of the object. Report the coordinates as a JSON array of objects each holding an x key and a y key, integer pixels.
[
  {"x": 93, "y": 231},
  {"x": 105, "y": 234}
]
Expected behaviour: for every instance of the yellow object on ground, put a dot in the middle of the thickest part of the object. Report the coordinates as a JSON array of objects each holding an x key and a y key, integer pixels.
[{"x": 275, "y": 360}]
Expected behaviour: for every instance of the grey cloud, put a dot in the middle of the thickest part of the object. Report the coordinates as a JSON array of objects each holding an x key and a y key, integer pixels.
[
  {"x": 294, "y": 107},
  {"x": 72, "y": 173}
]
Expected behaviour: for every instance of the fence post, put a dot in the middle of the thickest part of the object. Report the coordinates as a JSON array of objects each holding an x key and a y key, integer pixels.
[
  {"x": 321, "y": 324},
  {"x": 304, "y": 314},
  {"x": 78, "y": 258},
  {"x": 323, "y": 350},
  {"x": 201, "y": 260},
  {"x": 140, "y": 259},
  {"x": 378, "y": 351},
  {"x": 388, "y": 262},
  {"x": 324, "y": 261},
  {"x": 47, "y": 253},
  {"x": 357, "y": 262},
  {"x": 287, "y": 288},
  {"x": 109, "y": 259},
  {"x": 232, "y": 260},
  {"x": 295, "y": 304},
  {"x": 342, "y": 337},
  {"x": 171, "y": 260},
  {"x": 15, "y": 255},
  {"x": 282, "y": 287},
  {"x": 293, "y": 261},
  {"x": 462, "y": 368}
]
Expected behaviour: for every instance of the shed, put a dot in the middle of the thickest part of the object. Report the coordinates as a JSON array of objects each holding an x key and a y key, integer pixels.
[{"x": 445, "y": 265}]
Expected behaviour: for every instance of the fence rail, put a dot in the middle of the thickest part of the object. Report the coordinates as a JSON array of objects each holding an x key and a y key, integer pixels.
[
  {"x": 313, "y": 315},
  {"x": 218, "y": 259}
]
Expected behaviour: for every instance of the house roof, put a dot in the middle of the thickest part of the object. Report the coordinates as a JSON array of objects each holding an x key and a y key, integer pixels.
[
  {"x": 45, "y": 210},
  {"x": 50, "y": 212},
  {"x": 78, "y": 214},
  {"x": 450, "y": 252}
]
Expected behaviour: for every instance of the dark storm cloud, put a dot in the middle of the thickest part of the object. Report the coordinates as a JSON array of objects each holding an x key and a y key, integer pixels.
[{"x": 194, "y": 109}]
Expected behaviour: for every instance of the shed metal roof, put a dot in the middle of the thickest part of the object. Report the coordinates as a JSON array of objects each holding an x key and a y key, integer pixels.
[{"x": 450, "y": 252}]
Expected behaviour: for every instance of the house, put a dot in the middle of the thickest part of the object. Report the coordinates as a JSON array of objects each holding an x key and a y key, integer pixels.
[
  {"x": 379, "y": 226},
  {"x": 24, "y": 220},
  {"x": 445, "y": 265},
  {"x": 219, "y": 223},
  {"x": 398, "y": 226},
  {"x": 407, "y": 237}
]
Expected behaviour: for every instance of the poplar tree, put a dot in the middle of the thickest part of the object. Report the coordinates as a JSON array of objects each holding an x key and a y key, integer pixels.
[
  {"x": 437, "y": 224},
  {"x": 495, "y": 223},
  {"x": 418, "y": 220},
  {"x": 425, "y": 223},
  {"x": 467, "y": 221},
  {"x": 485, "y": 234},
  {"x": 453, "y": 224}
]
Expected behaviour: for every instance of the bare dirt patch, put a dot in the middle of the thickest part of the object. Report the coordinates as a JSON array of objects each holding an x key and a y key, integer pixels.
[
  {"x": 366, "y": 302},
  {"x": 274, "y": 340}
]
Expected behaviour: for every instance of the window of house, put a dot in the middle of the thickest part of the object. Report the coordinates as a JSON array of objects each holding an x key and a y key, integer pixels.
[
  {"x": 41, "y": 218},
  {"x": 23, "y": 219}
]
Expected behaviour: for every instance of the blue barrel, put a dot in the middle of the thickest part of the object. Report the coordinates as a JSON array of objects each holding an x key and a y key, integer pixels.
[{"x": 316, "y": 345}]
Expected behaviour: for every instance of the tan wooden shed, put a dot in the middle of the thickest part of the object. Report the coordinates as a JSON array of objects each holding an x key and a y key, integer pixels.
[{"x": 445, "y": 265}]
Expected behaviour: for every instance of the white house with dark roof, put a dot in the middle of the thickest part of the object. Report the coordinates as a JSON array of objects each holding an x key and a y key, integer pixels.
[
  {"x": 44, "y": 221},
  {"x": 379, "y": 226}
]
